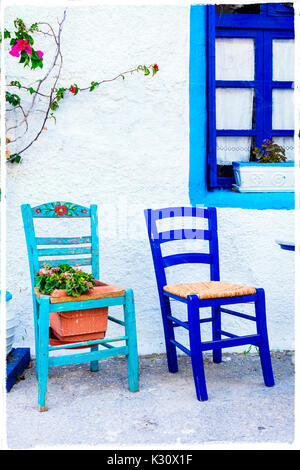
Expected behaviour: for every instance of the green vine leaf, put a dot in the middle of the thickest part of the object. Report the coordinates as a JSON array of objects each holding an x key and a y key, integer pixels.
[
  {"x": 13, "y": 99},
  {"x": 52, "y": 116},
  {"x": 16, "y": 83},
  {"x": 15, "y": 158},
  {"x": 93, "y": 86}
]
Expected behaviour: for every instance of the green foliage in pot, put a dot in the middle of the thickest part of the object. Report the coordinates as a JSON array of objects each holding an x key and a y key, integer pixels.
[
  {"x": 269, "y": 152},
  {"x": 64, "y": 276}
]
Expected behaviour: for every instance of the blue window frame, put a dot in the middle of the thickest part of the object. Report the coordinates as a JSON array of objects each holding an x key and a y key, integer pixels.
[{"x": 275, "y": 21}]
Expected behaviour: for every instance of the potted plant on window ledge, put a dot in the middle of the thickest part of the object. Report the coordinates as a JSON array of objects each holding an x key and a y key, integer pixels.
[{"x": 271, "y": 172}]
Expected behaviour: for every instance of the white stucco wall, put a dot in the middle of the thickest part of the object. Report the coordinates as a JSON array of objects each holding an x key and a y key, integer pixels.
[{"x": 125, "y": 147}]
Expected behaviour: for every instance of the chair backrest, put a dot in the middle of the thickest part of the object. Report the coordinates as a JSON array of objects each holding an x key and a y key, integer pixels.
[
  {"x": 61, "y": 246},
  {"x": 156, "y": 238}
]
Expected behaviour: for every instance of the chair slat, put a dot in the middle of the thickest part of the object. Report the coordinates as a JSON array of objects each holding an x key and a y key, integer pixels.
[
  {"x": 170, "y": 212},
  {"x": 63, "y": 240},
  {"x": 70, "y": 261},
  {"x": 184, "y": 234},
  {"x": 64, "y": 251},
  {"x": 173, "y": 260}
]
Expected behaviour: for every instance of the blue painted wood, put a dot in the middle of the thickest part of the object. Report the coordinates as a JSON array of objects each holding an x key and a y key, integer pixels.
[
  {"x": 224, "y": 198},
  {"x": 173, "y": 260},
  {"x": 231, "y": 342},
  {"x": 34, "y": 266},
  {"x": 87, "y": 356},
  {"x": 198, "y": 100},
  {"x": 130, "y": 330},
  {"x": 16, "y": 362},
  {"x": 63, "y": 240},
  {"x": 199, "y": 145},
  {"x": 183, "y": 234},
  {"x": 95, "y": 242},
  {"x": 211, "y": 96},
  {"x": 63, "y": 251},
  {"x": 171, "y": 212},
  {"x": 86, "y": 304},
  {"x": 178, "y": 322},
  {"x": 196, "y": 349},
  {"x": 43, "y": 307},
  {"x": 263, "y": 28},
  {"x": 252, "y": 21},
  {"x": 116, "y": 320},
  {"x": 180, "y": 346},
  {"x": 151, "y": 220},
  {"x": 43, "y": 367},
  {"x": 94, "y": 365},
  {"x": 237, "y": 314},
  {"x": 88, "y": 343},
  {"x": 287, "y": 247},
  {"x": 193, "y": 325},
  {"x": 264, "y": 350}
]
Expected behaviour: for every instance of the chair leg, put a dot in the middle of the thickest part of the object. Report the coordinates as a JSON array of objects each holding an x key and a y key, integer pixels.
[
  {"x": 43, "y": 360},
  {"x": 169, "y": 334},
  {"x": 264, "y": 350},
  {"x": 195, "y": 347},
  {"x": 36, "y": 308},
  {"x": 216, "y": 335},
  {"x": 130, "y": 331},
  {"x": 94, "y": 367}
]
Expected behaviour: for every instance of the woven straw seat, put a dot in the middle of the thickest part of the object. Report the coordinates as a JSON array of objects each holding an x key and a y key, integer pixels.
[{"x": 209, "y": 290}]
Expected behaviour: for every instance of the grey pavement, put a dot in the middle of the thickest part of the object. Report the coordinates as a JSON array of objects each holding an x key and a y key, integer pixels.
[{"x": 96, "y": 409}]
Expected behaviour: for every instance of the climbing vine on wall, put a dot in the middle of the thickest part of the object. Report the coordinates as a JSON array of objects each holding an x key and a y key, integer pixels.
[{"x": 46, "y": 93}]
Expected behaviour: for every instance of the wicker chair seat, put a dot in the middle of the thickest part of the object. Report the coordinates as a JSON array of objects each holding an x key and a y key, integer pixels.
[{"x": 209, "y": 289}]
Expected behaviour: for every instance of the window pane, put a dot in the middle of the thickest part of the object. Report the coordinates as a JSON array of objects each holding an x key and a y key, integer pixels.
[
  {"x": 234, "y": 59},
  {"x": 282, "y": 109},
  {"x": 234, "y": 108},
  {"x": 235, "y": 148},
  {"x": 283, "y": 59},
  {"x": 239, "y": 8},
  {"x": 288, "y": 144}
]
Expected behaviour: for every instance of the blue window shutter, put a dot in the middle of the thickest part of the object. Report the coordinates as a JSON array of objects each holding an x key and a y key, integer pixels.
[
  {"x": 211, "y": 98},
  {"x": 274, "y": 21}
]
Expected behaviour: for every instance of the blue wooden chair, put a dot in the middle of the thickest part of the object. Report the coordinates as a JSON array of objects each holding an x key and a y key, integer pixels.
[
  {"x": 198, "y": 295},
  {"x": 42, "y": 306}
]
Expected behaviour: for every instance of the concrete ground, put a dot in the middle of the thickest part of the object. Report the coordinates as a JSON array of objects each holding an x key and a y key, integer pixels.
[{"x": 96, "y": 409}]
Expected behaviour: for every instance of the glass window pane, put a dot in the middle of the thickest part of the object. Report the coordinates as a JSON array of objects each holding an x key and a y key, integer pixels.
[
  {"x": 283, "y": 59},
  {"x": 288, "y": 144},
  {"x": 234, "y": 59},
  {"x": 234, "y": 108},
  {"x": 233, "y": 148},
  {"x": 282, "y": 108},
  {"x": 239, "y": 8}
]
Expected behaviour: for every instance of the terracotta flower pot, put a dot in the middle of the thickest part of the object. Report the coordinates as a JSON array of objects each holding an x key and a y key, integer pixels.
[{"x": 81, "y": 325}]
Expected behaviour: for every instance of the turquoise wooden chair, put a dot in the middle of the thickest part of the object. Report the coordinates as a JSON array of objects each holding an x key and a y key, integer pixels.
[{"x": 42, "y": 306}]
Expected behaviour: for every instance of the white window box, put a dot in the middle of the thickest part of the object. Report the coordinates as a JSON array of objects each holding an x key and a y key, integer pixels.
[{"x": 264, "y": 177}]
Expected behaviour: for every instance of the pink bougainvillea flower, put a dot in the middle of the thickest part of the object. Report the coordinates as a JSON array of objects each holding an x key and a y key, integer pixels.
[
  {"x": 60, "y": 210},
  {"x": 14, "y": 51},
  {"x": 155, "y": 66},
  {"x": 21, "y": 45},
  {"x": 72, "y": 89},
  {"x": 40, "y": 54}
]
